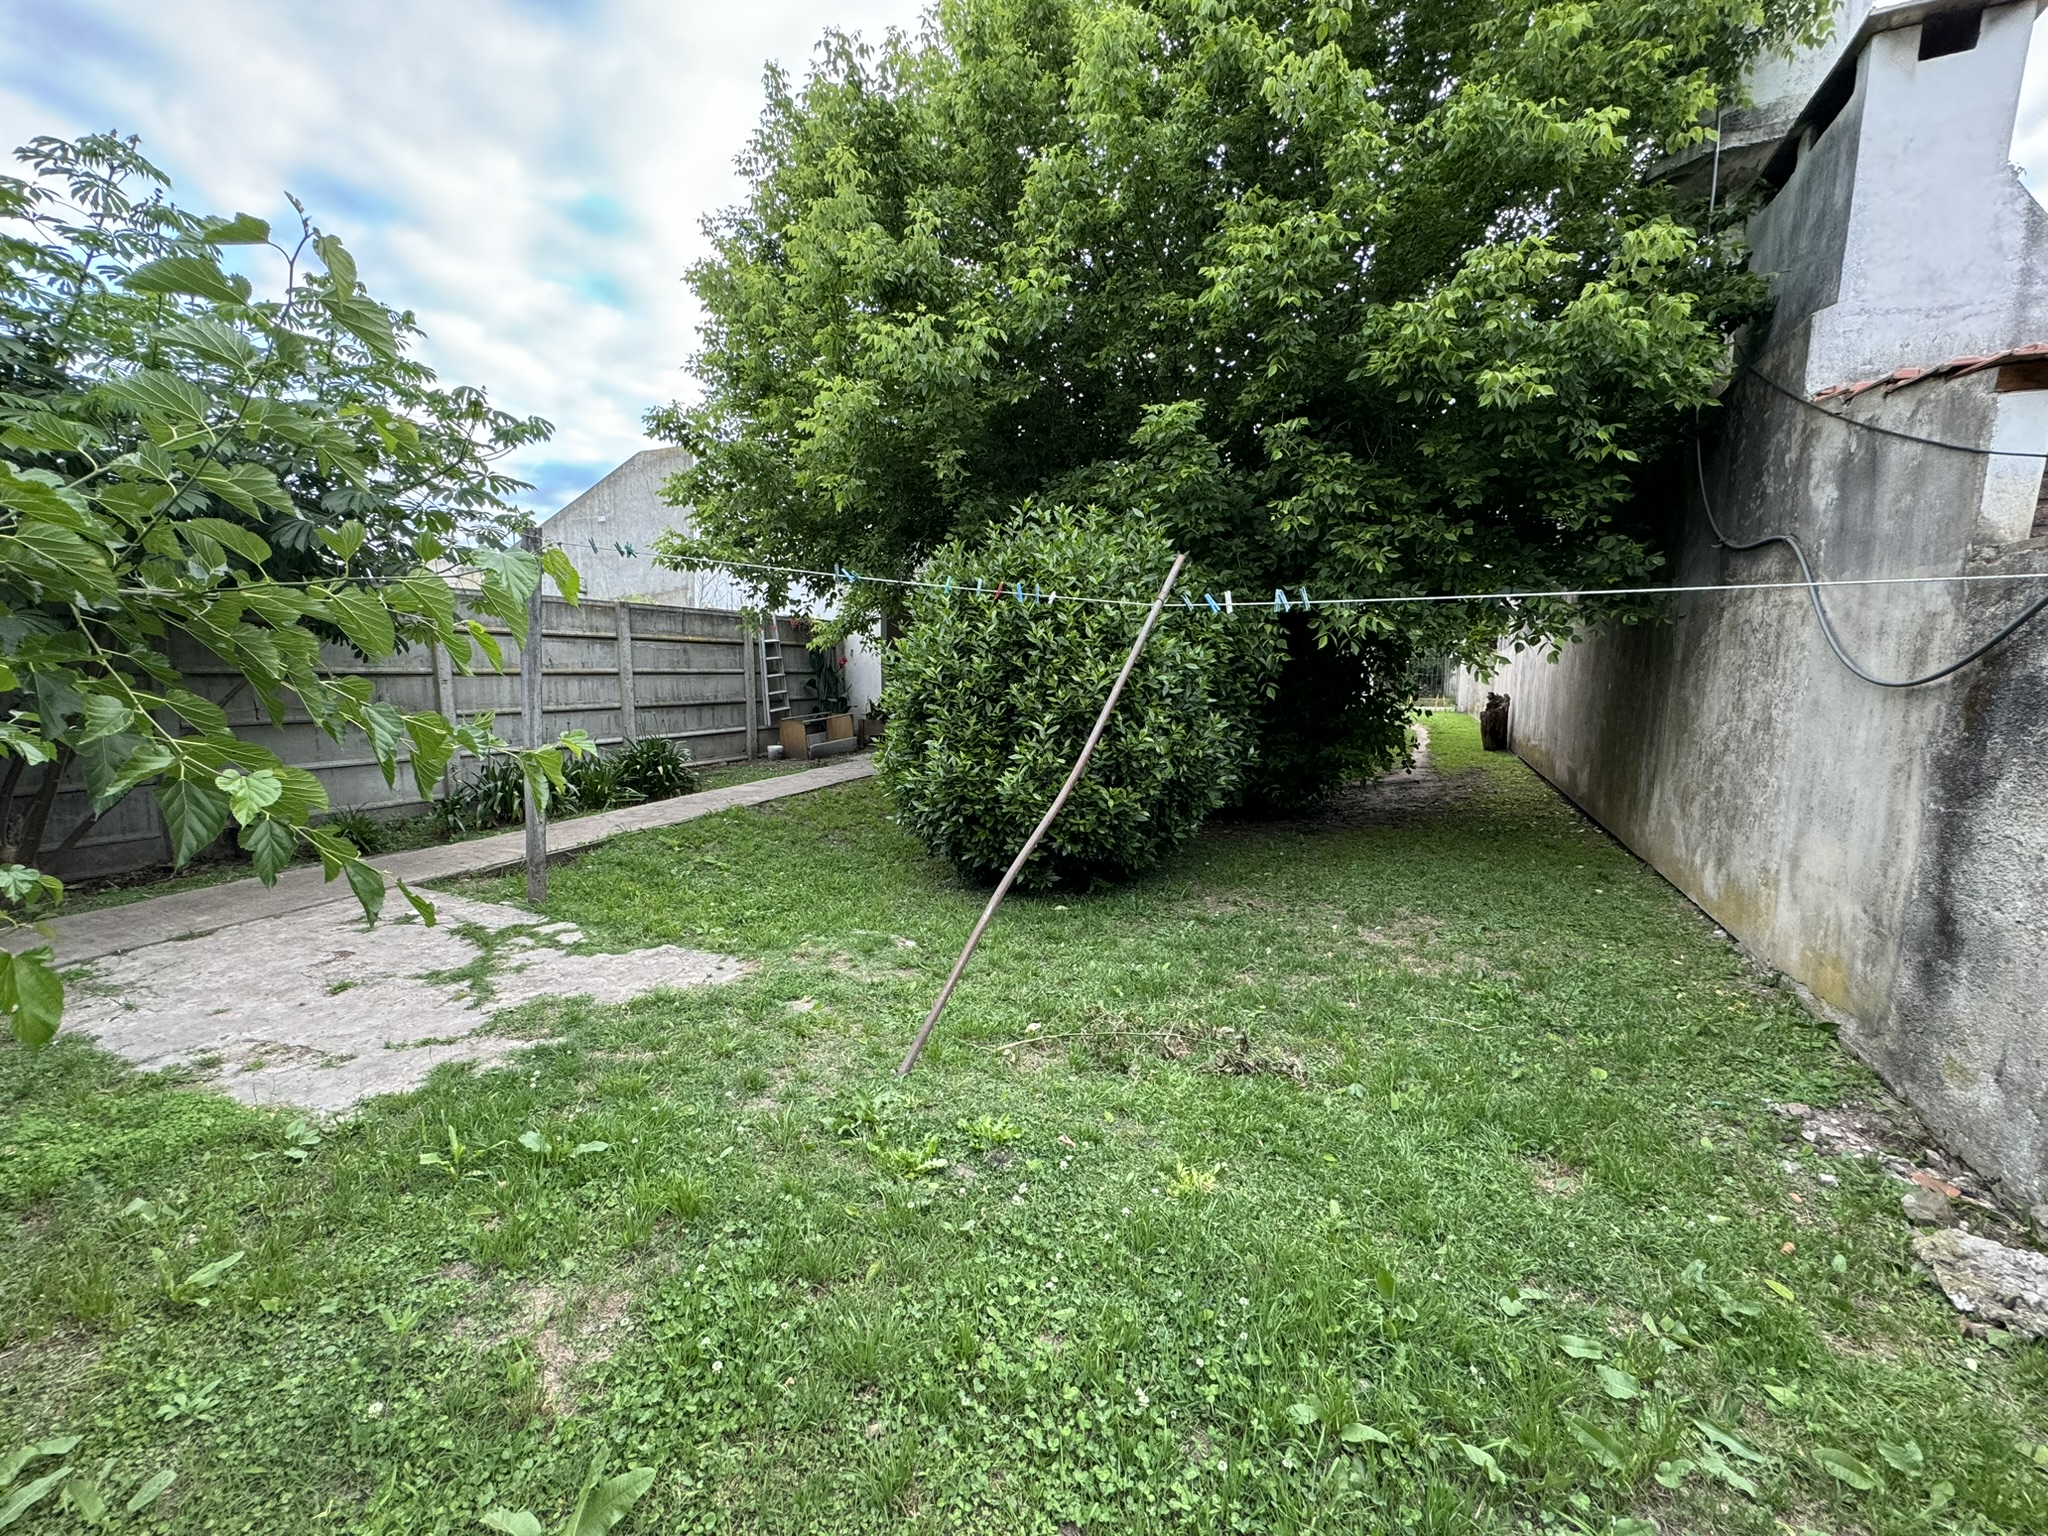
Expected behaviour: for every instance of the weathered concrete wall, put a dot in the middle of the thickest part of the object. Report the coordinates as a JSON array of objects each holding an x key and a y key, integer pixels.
[
  {"x": 609, "y": 531},
  {"x": 1887, "y": 848}
]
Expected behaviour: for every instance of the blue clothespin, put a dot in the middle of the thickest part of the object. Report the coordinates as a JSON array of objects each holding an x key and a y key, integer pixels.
[
  {"x": 1019, "y": 590},
  {"x": 1214, "y": 606},
  {"x": 1187, "y": 602},
  {"x": 629, "y": 551},
  {"x": 977, "y": 586},
  {"x": 949, "y": 586},
  {"x": 1304, "y": 596},
  {"x": 1280, "y": 603}
]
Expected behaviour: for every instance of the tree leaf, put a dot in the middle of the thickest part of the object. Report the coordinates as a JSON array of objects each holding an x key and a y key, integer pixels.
[
  {"x": 105, "y": 716},
  {"x": 116, "y": 764},
  {"x": 433, "y": 744},
  {"x": 203, "y": 715},
  {"x": 514, "y": 1523},
  {"x": 1845, "y": 1468},
  {"x": 366, "y": 320},
  {"x": 1582, "y": 1349},
  {"x": 195, "y": 812},
  {"x": 362, "y": 616},
  {"x": 419, "y": 903},
  {"x": 270, "y": 845},
  {"x": 368, "y": 885},
  {"x": 194, "y": 275},
  {"x": 213, "y": 340},
  {"x": 335, "y": 257},
  {"x": 385, "y": 728},
  {"x": 487, "y": 643},
  {"x": 345, "y": 539},
  {"x": 557, "y": 564},
  {"x": 242, "y": 229},
  {"x": 160, "y": 395},
  {"x": 58, "y": 559},
  {"x": 509, "y": 578},
  {"x": 250, "y": 794},
  {"x": 31, "y": 994},
  {"x": 32, "y": 495},
  {"x": 1361, "y": 1434},
  {"x": 303, "y": 798}
]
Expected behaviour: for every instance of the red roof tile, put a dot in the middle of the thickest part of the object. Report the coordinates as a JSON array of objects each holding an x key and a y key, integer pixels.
[{"x": 1954, "y": 368}]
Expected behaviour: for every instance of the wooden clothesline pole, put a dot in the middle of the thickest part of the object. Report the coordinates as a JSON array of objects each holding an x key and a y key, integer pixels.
[{"x": 1045, "y": 823}]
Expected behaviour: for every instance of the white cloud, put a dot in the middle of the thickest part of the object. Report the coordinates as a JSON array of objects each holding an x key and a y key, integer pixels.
[{"x": 528, "y": 177}]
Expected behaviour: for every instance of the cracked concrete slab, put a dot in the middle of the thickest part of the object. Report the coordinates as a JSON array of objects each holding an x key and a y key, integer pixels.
[{"x": 315, "y": 1009}]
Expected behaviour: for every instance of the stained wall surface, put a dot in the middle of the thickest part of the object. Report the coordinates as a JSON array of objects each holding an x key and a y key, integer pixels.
[{"x": 1886, "y": 848}]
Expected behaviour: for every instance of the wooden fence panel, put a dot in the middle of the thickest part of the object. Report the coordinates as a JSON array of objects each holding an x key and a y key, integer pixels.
[{"x": 619, "y": 671}]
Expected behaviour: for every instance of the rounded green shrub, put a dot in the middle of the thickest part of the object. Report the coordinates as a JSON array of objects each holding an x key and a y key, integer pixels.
[{"x": 989, "y": 700}]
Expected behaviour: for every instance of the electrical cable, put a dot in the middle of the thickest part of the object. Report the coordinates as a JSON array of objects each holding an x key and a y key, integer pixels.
[
  {"x": 1813, "y": 585},
  {"x": 1748, "y": 365}
]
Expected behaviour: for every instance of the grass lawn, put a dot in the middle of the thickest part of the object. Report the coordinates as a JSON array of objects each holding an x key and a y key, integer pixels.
[{"x": 1355, "y": 1177}]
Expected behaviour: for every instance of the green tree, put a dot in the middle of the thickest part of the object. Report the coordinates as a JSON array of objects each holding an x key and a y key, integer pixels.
[
  {"x": 1372, "y": 297},
  {"x": 185, "y": 463}
]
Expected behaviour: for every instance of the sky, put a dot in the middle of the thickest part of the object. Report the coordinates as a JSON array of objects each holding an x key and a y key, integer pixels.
[{"x": 528, "y": 176}]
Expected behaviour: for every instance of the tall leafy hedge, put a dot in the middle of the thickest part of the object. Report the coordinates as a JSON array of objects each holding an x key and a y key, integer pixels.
[{"x": 990, "y": 699}]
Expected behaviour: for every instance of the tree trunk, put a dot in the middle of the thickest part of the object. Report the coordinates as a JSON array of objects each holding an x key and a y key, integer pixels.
[
  {"x": 31, "y": 846},
  {"x": 12, "y": 782}
]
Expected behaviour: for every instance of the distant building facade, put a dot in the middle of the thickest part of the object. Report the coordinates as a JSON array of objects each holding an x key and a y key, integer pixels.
[{"x": 610, "y": 531}]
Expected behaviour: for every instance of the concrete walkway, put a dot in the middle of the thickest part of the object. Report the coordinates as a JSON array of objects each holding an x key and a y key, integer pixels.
[{"x": 207, "y": 910}]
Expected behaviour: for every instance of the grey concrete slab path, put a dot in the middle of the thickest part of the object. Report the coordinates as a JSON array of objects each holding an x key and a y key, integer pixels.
[{"x": 189, "y": 914}]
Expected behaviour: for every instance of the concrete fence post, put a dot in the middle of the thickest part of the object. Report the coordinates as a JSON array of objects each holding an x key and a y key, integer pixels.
[
  {"x": 747, "y": 691},
  {"x": 623, "y": 614}
]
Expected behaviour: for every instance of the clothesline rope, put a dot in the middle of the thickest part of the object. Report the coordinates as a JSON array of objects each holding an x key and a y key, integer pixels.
[{"x": 1287, "y": 599}]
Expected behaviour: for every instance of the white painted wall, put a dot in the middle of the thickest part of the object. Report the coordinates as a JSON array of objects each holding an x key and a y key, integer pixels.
[{"x": 1944, "y": 255}]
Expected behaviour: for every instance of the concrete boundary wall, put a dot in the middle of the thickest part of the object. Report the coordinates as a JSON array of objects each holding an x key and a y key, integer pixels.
[
  {"x": 1886, "y": 848},
  {"x": 620, "y": 671}
]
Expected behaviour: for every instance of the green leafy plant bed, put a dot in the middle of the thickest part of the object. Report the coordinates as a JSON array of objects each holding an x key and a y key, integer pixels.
[{"x": 1363, "y": 1177}]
